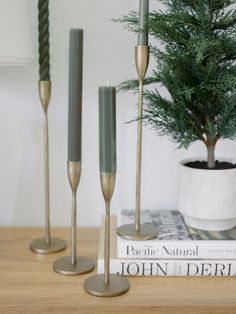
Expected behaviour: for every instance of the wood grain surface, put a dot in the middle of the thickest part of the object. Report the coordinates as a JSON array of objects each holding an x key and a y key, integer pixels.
[{"x": 28, "y": 285}]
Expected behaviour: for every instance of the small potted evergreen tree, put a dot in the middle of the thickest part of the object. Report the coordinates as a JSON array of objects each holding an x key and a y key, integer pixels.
[{"x": 196, "y": 64}]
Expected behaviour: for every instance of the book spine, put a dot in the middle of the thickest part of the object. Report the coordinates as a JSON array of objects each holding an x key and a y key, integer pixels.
[
  {"x": 203, "y": 249},
  {"x": 220, "y": 268}
]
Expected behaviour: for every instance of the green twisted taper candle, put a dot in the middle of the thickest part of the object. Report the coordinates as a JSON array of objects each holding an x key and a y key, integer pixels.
[{"x": 43, "y": 28}]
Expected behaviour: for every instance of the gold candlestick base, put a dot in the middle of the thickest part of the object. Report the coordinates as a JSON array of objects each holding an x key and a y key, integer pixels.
[
  {"x": 40, "y": 246},
  {"x": 73, "y": 265},
  {"x": 64, "y": 266},
  {"x": 137, "y": 231},
  {"x": 106, "y": 285},
  {"x": 46, "y": 245},
  {"x": 96, "y": 286},
  {"x": 146, "y": 232}
]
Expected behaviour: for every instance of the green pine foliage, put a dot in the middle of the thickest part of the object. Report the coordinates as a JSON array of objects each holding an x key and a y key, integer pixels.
[{"x": 197, "y": 66}]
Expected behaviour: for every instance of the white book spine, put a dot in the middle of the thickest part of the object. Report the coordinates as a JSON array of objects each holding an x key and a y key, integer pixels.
[
  {"x": 189, "y": 249},
  {"x": 138, "y": 267}
]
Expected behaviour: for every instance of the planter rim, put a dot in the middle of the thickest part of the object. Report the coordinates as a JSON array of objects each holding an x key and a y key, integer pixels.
[{"x": 193, "y": 159}]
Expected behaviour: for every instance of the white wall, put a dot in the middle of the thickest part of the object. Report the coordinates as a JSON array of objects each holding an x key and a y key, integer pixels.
[{"x": 108, "y": 55}]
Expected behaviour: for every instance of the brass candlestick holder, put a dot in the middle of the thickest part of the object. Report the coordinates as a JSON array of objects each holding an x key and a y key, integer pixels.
[
  {"x": 73, "y": 265},
  {"x": 107, "y": 285},
  {"x": 47, "y": 244},
  {"x": 139, "y": 231}
]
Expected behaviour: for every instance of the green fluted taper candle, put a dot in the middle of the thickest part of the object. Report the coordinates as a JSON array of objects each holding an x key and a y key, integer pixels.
[
  {"x": 107, "y": 129},
  {"x": 75, "y": 95},
  {"x": 143, "y": 19},
  {"x": 43, "y": 29}
]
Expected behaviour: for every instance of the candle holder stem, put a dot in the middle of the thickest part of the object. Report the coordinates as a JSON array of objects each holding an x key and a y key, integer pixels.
[
  {"x": 47, "y": 244},
  {"x": 139, "y": 157},
  {"x": 73, "y": 265},
  {"x": 73, "y": 228},
  {"x": 107, "y": 285},
  {"x": 46, "y": 180},
  {"x": 107, "y": 245},
  {"x": 138, "y": 231},
  {"x": 74, "y": 173}
]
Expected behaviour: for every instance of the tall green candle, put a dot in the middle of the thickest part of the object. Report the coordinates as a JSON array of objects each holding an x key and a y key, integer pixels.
[
  {"x": 143, "y": 19},
  {"x": 43, "y": 38},
  {"x": 107, "y": 129},
  {"x": 75, "y": 95}
]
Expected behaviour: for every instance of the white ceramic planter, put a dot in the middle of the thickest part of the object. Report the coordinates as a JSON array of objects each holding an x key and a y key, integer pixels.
[{"x": 207, "y": 198}]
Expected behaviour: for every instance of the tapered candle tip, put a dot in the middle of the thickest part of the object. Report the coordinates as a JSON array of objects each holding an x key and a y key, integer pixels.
[{"x": 107, "y": 83}]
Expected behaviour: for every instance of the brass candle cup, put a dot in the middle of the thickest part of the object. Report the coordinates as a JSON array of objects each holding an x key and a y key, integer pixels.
[{"x": 138, "y": 231}]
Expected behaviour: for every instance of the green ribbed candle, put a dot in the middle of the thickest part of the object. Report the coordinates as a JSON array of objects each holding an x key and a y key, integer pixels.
[
  {"x": 143, "y": 19},
  {"x": 75, "y": 95},
  {"x": 107, "y": 129}
]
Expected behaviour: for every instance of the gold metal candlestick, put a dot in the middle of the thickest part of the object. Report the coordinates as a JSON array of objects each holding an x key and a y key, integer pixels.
[
  {"x": 107, "y": 285},
  {"x": 73, "y": 265},
  {"x": 47, "y": 244},
  {"x": 137, "y": 231}
]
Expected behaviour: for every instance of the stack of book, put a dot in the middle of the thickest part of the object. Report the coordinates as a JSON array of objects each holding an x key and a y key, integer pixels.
[{"x": 178, "y": 249}]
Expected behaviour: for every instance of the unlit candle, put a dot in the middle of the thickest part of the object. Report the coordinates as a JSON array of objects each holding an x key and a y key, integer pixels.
[
  {"x": 75, "y": 95},
  {"x": 143, "y": 19},
  {"x": 107, "y": 129}
]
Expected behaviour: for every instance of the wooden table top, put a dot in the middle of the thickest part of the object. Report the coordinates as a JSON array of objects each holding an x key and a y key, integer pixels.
[{"x": 28, "y": 284}]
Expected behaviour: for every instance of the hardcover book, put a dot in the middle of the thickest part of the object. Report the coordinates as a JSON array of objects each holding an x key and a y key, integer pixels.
[
  {"x": 175, "y": 239},
  {"x": 160, "y": 267}
]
